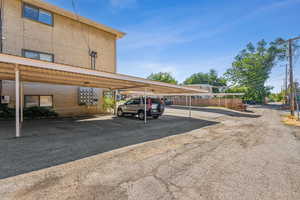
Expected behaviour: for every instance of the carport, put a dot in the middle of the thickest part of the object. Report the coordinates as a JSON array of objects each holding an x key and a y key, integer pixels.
[
  {"x": 188, "y": 96},
  {"x": 28, "y": 70}
]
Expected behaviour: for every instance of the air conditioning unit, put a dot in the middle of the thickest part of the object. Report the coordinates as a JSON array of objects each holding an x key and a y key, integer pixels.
[{"x": 5, "y": 99}]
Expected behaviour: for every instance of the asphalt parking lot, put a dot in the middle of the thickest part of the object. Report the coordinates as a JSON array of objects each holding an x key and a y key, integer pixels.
[
  {"x": 46, "y": 143},
  {"x": 218, "y": 154}
]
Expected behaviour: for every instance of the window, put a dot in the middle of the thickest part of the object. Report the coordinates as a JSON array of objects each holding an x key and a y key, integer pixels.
[
  {"x": 46, "y": 101},
  {"x": 39, "y": 101},
  {"x": 38, "y": 55},
  {"x": 46, "y": 57},
  {"x": 45, "y": 17},
  {"x": 31, "y": 12},
  {"x": 30, "y": 54},
  {"x": 37, "y": 14},
  {"x": 130, "y": 102},
  {"x": 31, "y": 101},
  {"x": 136, "y": 101},
  {"x": 133, "y": 102}
]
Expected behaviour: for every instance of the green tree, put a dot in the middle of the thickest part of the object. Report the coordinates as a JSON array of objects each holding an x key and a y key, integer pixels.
[
  {"x": 276, "y": 97},
  {"x": 236, "y": 90},
  {"x": 252, "y": 68},
  {"x": 210, "y": 78},
  {"x": 165, "y": 77}
]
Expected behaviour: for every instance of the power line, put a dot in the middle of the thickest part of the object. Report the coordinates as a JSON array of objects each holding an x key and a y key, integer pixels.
[{"x": 81, "y": 26}]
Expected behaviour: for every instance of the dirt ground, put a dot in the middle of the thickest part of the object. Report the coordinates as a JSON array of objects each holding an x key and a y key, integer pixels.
[{"x": 217, "y": 155}]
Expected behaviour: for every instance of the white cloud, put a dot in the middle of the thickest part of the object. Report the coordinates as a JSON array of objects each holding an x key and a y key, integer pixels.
[
  {"x": 269, "y": 7},
  {"x": 161, "y": 67}
]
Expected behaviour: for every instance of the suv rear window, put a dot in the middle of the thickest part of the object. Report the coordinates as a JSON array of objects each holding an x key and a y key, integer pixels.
[
  {"x": 133, "y": 102},
  {"x": 155, "y": 101}
]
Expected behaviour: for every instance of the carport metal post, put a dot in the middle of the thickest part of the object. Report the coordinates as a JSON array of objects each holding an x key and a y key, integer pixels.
[
  {"x": 22, "y": 100},
  {"x": 186, "y": 100},
  {"x": 17, "y": 97},
  {"x": 116, "y": 98},
  {"x": 190, "y": 107},
  {"x": 145, "y": 107}
]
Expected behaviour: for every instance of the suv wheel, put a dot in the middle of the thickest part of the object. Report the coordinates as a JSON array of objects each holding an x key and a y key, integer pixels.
[
  {"x": 120, "y": 113},
  {"x": 141, "y": 115}
]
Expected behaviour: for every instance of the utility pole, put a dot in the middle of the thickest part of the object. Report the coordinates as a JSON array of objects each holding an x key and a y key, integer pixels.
[
  {"x": 291, "y": 75},
  {"x": 292, "y": 94},
  {"x": 286, "y": 85}
]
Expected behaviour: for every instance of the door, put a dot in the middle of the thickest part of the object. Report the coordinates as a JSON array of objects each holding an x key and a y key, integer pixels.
[{"x": 132, "y": 106}]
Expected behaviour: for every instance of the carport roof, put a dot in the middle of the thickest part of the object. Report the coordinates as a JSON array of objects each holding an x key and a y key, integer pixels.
[{"x": 54, "y": 73}]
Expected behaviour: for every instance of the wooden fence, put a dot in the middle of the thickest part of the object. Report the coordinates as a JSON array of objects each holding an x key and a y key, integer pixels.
[{"x": 232, "y": 103}]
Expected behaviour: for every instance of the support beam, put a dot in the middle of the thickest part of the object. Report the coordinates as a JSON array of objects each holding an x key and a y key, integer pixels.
[
  {"x": 145, "y": 108},
  {"x": 190, "y": 107},
  {"x": 131, "y": 87},
  {"x": 298, "y": 113},
  {"x": 116, "y": 105},
  {"x": 292, "y": 88},
  {"x": 186, "y": 101},
  {"x": 22, "y": 100},
  {"x": 17, "y": 85},
  {"x": 286, "y": 86},
  {"x": 0, "y": 90}
]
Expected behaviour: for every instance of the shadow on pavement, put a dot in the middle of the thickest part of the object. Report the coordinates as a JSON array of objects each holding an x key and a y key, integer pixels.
[
  {"x": 218, "y": 111},
  {"x": 48, "y": 143},
  {"x": 272, "y": 106}
]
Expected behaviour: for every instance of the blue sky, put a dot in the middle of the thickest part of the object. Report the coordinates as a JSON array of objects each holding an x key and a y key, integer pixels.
[{"x": 189, "y": 36}]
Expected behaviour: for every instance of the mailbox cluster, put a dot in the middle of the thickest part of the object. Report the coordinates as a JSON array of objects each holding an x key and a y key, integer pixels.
[{"x": 88, "y": 96}]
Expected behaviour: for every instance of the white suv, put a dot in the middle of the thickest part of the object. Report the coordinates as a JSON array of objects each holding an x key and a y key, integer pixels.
[{"x": 136, "y": 106}]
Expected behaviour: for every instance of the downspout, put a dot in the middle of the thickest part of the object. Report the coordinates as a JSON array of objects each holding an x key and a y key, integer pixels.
[
  {"x": 1, "y": 28},
  {"x": 0, "y": 92}
]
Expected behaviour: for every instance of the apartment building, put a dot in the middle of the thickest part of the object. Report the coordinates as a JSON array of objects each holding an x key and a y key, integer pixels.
[{"x": 38, "y": 30}]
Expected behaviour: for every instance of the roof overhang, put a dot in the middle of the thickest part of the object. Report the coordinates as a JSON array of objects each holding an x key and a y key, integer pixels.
[
  {"x": 184, "y": 94},
  {"x": 54, "y": 73}
]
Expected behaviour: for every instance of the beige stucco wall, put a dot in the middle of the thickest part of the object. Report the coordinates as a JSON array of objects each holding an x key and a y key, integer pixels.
[
  {"x": 65, "y": 98},
  {"x": 68, "y": 40}
]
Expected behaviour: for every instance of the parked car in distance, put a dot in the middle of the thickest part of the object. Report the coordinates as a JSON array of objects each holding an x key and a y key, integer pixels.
[
  {"x": 250, "y": 102},
  {"x": 168, "y": 102},
  {"x": 136, "y": 106}
]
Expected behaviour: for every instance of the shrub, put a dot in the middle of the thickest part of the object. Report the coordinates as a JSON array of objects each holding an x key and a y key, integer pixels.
[
  {"x": 6, "y": 112},
  {"x": 32, "y": 112},
  {"x": 108, "y": 104},
  {"x": 39, "y": 112}
]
